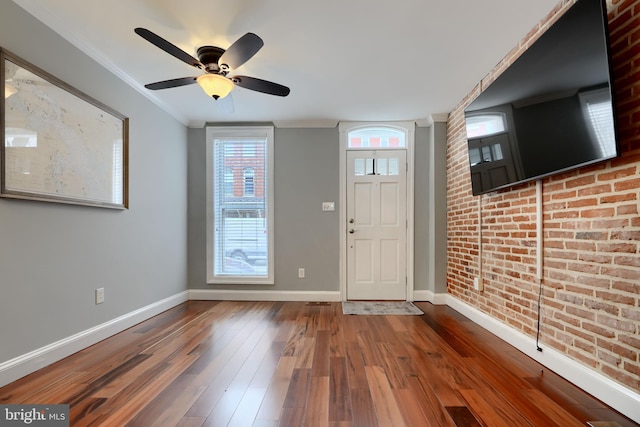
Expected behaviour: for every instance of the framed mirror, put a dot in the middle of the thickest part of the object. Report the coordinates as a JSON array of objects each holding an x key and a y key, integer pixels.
[{"x": 60, "y": 145}]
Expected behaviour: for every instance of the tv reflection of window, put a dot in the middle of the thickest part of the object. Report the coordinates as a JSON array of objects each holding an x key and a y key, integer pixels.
[
  {"x": 485, "y": 125},
  {"x": 598, "y": 112},
  {"x": 485, "y": 154},
  {"x": 15, "y": 137}
]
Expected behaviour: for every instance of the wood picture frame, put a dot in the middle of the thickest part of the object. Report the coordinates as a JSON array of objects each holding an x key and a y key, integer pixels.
[{"x": 59, "y": 144}]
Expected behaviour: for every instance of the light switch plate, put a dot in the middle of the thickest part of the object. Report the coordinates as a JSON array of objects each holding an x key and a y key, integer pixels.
[
  {"x": 99, "y": 295},
  {"x": 328, "y": 206}
]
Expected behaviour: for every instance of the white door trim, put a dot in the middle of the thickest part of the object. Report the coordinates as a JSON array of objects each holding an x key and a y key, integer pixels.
[{"x": 409, "y": 128}]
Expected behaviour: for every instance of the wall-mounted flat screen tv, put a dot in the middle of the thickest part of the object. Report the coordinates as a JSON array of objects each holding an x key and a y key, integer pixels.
[{"x": 551, "y": 110}]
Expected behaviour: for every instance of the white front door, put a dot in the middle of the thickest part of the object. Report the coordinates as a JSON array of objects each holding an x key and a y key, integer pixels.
[{"x": 376, "y": 225}]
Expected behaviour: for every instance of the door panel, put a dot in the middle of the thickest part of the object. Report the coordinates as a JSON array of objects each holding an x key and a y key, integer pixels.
[
  {"x": 389, "y": 201},
  {"x": 363, "y": 204},
  {"x": 363, "y": 252},
  {"x": 389, "y": 256},
  {"x": 376, "y": 225}
]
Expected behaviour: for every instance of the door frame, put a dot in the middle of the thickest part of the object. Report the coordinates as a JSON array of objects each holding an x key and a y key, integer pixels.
[{"x": 409, "y": 129}]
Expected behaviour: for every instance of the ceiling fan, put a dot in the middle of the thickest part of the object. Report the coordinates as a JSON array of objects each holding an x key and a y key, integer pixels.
[{"x": 216, "y": 64}]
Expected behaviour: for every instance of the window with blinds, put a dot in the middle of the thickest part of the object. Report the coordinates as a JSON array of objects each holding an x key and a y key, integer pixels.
[
  {"x": 240, "y": 207},
  {"x": 598, "y": 111}
]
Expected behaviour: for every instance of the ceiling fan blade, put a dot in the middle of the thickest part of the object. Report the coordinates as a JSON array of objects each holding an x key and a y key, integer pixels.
[
  {"x": 166, "y": 84},
  {"x": 260, "y": 85},
  {"x": 241, "y": 51},
  {"x": 168, "y": 47}
]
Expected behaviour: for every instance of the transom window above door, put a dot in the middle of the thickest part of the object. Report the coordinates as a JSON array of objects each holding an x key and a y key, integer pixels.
[
  {"x": 374, "y": 166},
  {"x": 374, "y": 137}
]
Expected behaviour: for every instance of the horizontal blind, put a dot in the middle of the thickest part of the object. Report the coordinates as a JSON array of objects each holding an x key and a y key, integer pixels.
[
  {"x": 601, "y": 118},
  {"x": 598, "y": 111},
  {"x": 240, "y": 203}
]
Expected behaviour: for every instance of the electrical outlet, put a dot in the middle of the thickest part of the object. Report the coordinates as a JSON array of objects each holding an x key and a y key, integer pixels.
[
  {"x": 477, "y": 284},
  {"x": 99, "y": 295},
  {"x": 301, "y": 273}
]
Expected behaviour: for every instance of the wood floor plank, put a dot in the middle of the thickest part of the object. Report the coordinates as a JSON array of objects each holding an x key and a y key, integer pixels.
[
  {"x": 369, "y": 348},
  {"x": 312, "y": 319},
  {"x": 135, "y": 397},
  {"x": 190, "y": 422},
  {"x": 337, "y": 342},
  {"x": 448, "y": 394},
  {"x": 317, "y": 409},
  {"x": 170, "y": 406},
  {"x": 386, "y": 407},
  {"x": 356, "y": 373},
  {"x": 292, "y": 417},
  {"x": 238, "y": 397},
  {"x": 498, "y": 416},
  {"x": 274, "y": 400},
  {"x": 254, "y": 398},
  {"x": 291, "y": 364},
  {"x": 349, "y": 327},
  {"x": 55, "y": 388},
  {"x": 558, "y": 415},
  {"x": 364, "y": 411},
  {"x": 320, "y": 365},
  {"x": 339, "y": 395},
  {"x": 298, "y": 389},
  {"x": 121, "y": 381},
  {"x": 390, "y": 356},
  {"x": 462, "y": 416},
  {"x": 300, "y": 345},
  {"x": 324, "y": 318},
  {"x": 222, "y": 372},
  {"x": 410, "y": 408},
  {"x": 430, "y": 403}
]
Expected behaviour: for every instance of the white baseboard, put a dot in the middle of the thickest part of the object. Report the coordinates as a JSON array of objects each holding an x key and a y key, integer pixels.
[
  {"x": 623, "y": 399},
  {"x": 429, "y": 296},
  {"x": 261, "y": 295},
  {"x": 25, "y": 364}
]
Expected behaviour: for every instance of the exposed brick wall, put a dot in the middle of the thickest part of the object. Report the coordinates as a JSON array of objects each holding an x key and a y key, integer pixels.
[{"x": 591, "y": 230}]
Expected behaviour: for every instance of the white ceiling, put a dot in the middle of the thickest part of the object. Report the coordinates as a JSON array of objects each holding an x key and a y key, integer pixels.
[{"x": 344, "y": 60}]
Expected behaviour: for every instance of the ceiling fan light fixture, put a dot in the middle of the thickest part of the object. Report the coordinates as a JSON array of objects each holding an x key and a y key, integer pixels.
[{"x": 215, "y": 85}]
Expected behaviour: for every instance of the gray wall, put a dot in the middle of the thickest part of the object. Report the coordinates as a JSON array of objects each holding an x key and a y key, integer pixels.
[
  {"x": 438, "y": 216},
  {"x": 306, "y": 174},
  {"x": 421, "y": 247},
  {"x": 430, "y": 209},
  {"x": 53, "y": 256}
]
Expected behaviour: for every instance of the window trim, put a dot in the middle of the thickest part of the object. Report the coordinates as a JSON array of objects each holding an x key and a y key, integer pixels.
[{"x": 217, "y": 132}]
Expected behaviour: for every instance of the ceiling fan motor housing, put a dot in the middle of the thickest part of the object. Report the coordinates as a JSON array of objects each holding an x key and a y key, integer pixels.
[{"x": 209, "y": 56}]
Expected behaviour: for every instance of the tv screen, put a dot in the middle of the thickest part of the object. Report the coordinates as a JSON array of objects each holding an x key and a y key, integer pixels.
[{"x": 551, "y": 110}]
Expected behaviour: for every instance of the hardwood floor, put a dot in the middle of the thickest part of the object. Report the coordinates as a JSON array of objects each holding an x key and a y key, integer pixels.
[{"x": 263, "y": 364}]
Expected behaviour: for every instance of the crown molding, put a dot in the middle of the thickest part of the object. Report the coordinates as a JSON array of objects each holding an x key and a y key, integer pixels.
[
  {"x": 305, "y": 123},
  {"x": 440, "y": 117},
  {"x": 425, "y": 122}
]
